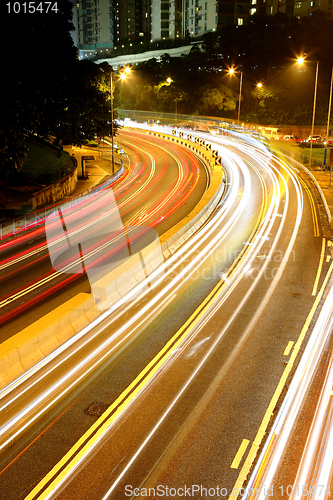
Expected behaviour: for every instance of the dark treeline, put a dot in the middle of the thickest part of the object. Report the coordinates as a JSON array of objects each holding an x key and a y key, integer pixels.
[
  {"x": 264, "y": 50},
  {"x": 46, "y": 90}
]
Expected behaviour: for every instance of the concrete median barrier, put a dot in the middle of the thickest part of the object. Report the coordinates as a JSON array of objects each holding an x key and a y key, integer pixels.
[{"x": 25, "y": 349}]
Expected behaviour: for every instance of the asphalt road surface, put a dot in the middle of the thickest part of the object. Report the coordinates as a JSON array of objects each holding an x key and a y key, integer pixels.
[
  {"x": 196, "y": 369},
  {"x": 161, "y": 186}
]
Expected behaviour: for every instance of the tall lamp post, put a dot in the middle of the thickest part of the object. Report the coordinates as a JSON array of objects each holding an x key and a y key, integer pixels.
[
  {"x": 123, "y": 76},
  {"x": 231, "y": 71},
  {"x": 300, "y": 60},
  {"x": 328, "y": 125},
  {"x": 258, "y": 86},
  {"x": 111, "y": 99}
]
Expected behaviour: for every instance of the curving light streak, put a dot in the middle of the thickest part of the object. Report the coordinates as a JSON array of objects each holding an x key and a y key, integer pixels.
[
  {"x": 181, "y": 188},
  {"x": 192, "y": 245},
  {"x": 309, "y": 472},
  {"x": 106, "y": 315},
  {"x": 141, "y": 316},
  {"x": 268, "y": 222}
]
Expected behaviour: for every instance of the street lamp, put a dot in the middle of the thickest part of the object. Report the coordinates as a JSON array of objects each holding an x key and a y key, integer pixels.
[
  {"x": 258, "y": 86},
  {"x": 300, "y": 60},
  {"x": 328, "y": 125},
  {"x": 122, "y": 76},
  {"x": 165, "y": 83},
  {"x": 232, "y": 72}
]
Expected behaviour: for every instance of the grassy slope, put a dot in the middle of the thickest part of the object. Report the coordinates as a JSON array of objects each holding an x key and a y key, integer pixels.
[
  {"x": 296, "y": 152},
  {"x": 44, "y": 165}
]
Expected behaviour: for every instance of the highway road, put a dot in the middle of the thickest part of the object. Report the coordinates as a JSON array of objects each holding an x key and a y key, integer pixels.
[
  {"x": 192, "y": 375},
  {"x": 162, "y": 185},
  {"x": 296, "y": 461}
]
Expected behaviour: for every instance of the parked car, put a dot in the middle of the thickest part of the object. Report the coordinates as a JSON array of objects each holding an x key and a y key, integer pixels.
[
  {"x": 316, "y": 139},
  {"x": 293, "y": 138}
]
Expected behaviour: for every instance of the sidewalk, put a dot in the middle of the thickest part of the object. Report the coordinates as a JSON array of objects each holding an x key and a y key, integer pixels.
[
  {"x": 323, "y": 179},
  {"x": 94, "y": 167}
]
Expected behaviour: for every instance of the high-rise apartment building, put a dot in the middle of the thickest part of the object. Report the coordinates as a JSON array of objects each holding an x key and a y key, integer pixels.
[
  {"x": 132, "y": 20},
  {"x": 200, "y": 17},
  {"x": 237, "y": 11},
  {"x": 94, "y": 25},
  {"x": 180, "y": 18},
  {"x": 166, "y": 19},
  {"x": 307, "y": 7},
  {"x": 103, "y": 25}
]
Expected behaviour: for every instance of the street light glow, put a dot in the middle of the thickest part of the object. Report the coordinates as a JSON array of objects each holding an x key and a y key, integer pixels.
[
  {"x": 300, "y": 60},
  {"x": 123, "y": 75},
  {"x": 231, "y": 71},
  {"x": 259, "y": 85}
]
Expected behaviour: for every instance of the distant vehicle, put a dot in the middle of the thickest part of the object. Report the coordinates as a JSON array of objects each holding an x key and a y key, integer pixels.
[
  {"x": 270, "y": 132},
  {"x": 316, "y": 139},
  {"x": 215, "y": 130},
  {"x": 186, "y": 126},
  {"x": 293, "y": 138}
]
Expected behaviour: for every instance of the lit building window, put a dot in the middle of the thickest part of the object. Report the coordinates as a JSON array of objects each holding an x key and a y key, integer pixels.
[{"x": 240, "y": 21}]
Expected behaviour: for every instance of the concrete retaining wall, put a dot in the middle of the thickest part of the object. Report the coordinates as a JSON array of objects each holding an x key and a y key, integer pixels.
[
  {"x": 31, "y": 219},
  {"x": 27, "y": 199},
  {"x": 22, "y": 351},
  {"x": 57, "y": 191}
]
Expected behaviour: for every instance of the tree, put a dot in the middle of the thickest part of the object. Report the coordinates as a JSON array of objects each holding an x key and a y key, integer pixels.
[
  {"x": 217, "y": 99},
  {"x": 41, "y": 51},
  {"x": 49, "y": 92}
]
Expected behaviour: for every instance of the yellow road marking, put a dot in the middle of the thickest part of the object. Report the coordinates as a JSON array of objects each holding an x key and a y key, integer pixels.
[
  {"x": 288, "y": 348},
  {"x": 268, "y": 414},
  {"x": 76, "y": 454},
  {"x": 239, "y": 455},
  {"x": 315, "y": 286}
]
